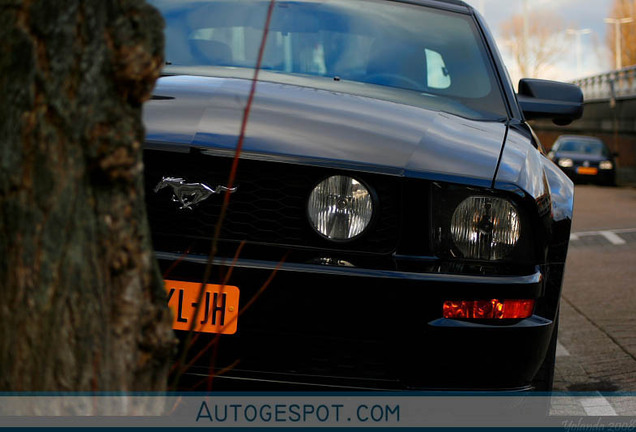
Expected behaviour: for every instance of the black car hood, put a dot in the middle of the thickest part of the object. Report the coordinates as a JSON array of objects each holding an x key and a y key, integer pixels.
[
  {"x": 579, "y": 157},
  {"x": 307, "y": 125}
]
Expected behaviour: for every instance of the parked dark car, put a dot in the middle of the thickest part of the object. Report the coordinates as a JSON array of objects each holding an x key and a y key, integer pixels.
[
  {"x": 584, "y": 159},
  {"x": 393, "y": 223}
]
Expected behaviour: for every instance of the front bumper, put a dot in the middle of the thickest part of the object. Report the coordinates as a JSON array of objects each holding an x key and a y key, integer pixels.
[
  {"x": 326, "y": 326},
  {"x": 601, "y": 176}
]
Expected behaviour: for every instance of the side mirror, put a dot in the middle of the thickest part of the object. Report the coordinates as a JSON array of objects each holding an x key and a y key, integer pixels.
[{"x": 561, "y": 102}]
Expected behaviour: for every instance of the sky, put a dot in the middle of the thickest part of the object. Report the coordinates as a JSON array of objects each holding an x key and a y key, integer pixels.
[{"x": 575, "y": 14}]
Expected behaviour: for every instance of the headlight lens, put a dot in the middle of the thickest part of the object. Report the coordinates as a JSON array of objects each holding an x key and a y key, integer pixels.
[
  {"x": 566, "y": 163},
  {"x": 340, "y": 208},
  {"x": 606, "y": 165},
  {"x": 485, "y": 227}
]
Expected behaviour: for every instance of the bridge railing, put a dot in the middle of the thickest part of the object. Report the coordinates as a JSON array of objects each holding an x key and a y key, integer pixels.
[{"x": 611, "y": 85}]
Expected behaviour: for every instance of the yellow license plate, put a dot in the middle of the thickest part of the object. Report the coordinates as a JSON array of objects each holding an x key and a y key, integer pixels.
[
  {"x": 218, "y": 312},
  {"x": 587, "y": 171}
]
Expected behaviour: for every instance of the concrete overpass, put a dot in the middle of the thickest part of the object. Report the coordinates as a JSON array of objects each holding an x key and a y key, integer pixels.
[{"x": 610, "y": 114}]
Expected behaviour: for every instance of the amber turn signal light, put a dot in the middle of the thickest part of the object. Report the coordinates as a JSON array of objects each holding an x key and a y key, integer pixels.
[{"x": 489, "y": 309}]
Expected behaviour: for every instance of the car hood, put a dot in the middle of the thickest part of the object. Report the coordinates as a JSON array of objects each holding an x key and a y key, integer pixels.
[
  {"x": 581, "y": 156},
  {"x": 311, "y": 126}
]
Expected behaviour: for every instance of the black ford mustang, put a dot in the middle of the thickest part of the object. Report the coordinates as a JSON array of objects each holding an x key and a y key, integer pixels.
[{"x": 393, "y": 224}]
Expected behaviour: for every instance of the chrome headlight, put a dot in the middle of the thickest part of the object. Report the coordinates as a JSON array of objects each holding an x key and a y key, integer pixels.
[
  {"x": 340, "y": 208},
  {"x": 566, "y": 163},
  {"x": 485, "y": 227},
  {"x": 606, "y": 165}
]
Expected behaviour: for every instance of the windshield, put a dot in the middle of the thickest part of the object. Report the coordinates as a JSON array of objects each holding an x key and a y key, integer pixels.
[
  {"x": 589, "y": 147},
  {"x": 382, "y": 43}
]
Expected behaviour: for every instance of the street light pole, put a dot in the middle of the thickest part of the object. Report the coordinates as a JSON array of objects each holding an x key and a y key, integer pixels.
[
  {"x": 617, "y": 39},
  {"x": 526, "y": 37},
  {"x": 480, "y": 7},
  {"x": 578, "y": 34}
]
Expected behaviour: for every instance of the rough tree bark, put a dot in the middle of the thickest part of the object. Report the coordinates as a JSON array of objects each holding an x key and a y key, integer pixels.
[
  {"x": 82, "y": 305},
  {"x": 623, "y": 9}
]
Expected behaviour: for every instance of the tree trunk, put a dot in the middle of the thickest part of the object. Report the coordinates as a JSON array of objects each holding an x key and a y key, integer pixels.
[{"x": 82, "y": 305}]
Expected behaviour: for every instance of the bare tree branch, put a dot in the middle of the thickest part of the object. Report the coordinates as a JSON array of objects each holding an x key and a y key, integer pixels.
[{"x": 543, "y": 44}]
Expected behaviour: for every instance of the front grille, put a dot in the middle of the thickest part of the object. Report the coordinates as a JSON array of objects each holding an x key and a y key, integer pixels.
[{"x": 269, "y": 206}]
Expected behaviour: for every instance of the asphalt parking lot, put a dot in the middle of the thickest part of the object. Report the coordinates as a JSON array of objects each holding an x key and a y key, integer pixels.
[{"x": 597, "y": 333}]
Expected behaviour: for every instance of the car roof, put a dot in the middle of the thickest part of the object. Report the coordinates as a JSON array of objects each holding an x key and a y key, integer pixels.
[{"x": 455, "y": 4}]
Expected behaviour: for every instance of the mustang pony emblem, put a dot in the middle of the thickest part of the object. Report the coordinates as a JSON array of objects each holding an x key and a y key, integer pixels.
[{"x": 190, "y": 194}]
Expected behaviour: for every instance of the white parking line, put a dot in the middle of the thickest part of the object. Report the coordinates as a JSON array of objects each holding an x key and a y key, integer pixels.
[
  {"x": 561, "y": 351},
  {"x": 597, "y": 406},
  {"x": 624, "y": 230},
  {"x": 618, "y": 231},
  {"x": 612, "y": 237}
]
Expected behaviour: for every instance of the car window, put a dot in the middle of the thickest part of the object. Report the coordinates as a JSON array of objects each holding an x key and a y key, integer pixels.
[
  {"x": 437, "y": 76},
  {"x": 589, "y": 147},
  {"x": 383, "y": 43}
]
